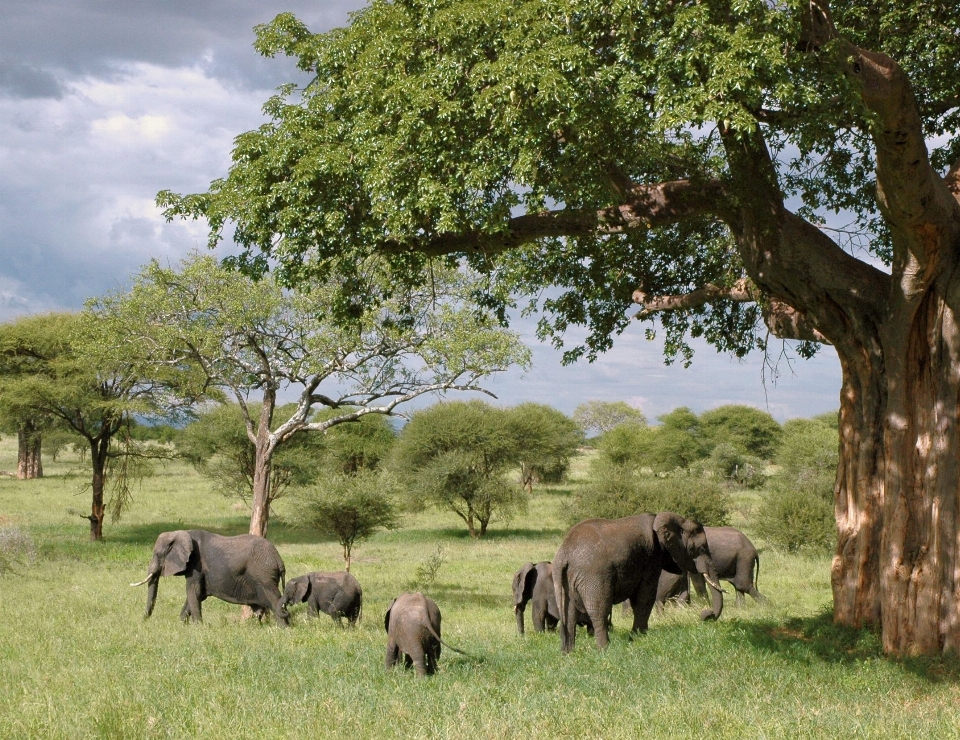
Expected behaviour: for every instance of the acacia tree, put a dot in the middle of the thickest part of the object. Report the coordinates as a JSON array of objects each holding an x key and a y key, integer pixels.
[
  {"x": 685, "y": 157},
  {"x": 252, "y": 338},
  {"x": 602, "y": 416},
  {"x": 77, "y": 379}
]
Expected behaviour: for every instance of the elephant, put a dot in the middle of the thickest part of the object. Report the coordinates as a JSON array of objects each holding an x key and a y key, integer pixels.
[
  {"x": 337, "y": 594},
  {"x": 412, "y": 623},
  {"x": 534, "y": 582},
  {"x": 604, "y": 561},
  {"x": 735, "y": 558},
  {"x": 244, "y": 569}
]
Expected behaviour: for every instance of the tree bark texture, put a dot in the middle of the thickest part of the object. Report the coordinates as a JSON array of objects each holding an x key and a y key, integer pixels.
[
  {"x": 98, "y": 454},
  {"x": 264, "y": 445},
  {"x": 29, "y": 464}
]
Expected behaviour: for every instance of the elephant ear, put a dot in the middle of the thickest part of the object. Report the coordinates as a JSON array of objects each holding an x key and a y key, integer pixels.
[
  {"x": 523, "y": 582},
  {"x": 669, "y": 529},
  {"x": 386, "y": 617},
  {"x": 301, "y": 589},
  {"x": 181, "y": 548}
]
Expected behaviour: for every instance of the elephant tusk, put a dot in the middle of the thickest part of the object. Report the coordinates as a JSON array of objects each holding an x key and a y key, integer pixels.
[
  {"x": 714, "y": 585},
  {"x": 140, "y": 583}
]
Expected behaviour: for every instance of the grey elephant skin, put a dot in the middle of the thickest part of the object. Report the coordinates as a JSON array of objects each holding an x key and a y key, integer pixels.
[
  {"x": 736, "y": 560},
  {"x": 335, "y": 593},
  {"x": 604, "y": 561},
  {"x": 412, "y": 623},
  {"x": 245, "y": 570},
  {"x": 533, "y": 584}
]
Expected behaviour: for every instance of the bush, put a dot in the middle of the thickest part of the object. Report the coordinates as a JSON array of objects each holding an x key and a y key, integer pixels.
[
  {"x": 796, "y": 520},
  {"x": 16, "y": 549},
  {"x": 349, "y": 508},
  {"x": 454, "y": 456},
  {"x": 617, "y": 491},
  {"x": 661, "y": 449},
  {"x": 545, "y": 440},
  {"x": 730, "y": 464},
  {"x": 797, "y": 511},
  {"x": 749, "y": 430}
]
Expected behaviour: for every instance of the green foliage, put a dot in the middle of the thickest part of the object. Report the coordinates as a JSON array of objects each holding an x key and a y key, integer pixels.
[
  {"x": 350, "y": 508},
  {"x": 546, "y": 439},
  {"x": 750, "y": 430},
  {"x": 615, "y": 491},
  {"x": 797, "y": 510},
  {"x": 661, "y": 449},
  {"x": 219, "y": 448},
  {"x": 729, "y": 463},
  {"x": 162, "y": 433},
  {"x": 454, "y": 455},
  {"x": 602, "y": 416},
  {"x": 358, "y": 445},
  {"x": 16, "y": 549}
]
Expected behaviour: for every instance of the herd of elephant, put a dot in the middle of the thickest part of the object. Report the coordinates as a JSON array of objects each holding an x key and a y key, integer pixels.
[{"x": 639, "y": 560}]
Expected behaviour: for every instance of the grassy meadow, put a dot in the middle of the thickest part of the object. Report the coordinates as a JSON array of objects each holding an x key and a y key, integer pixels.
[{"x": 77, "y": 659}]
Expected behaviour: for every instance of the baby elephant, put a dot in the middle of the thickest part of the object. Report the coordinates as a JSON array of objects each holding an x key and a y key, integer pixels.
[
  {"x": 412, "y": 623},
  {"x": 337, "y": 594}
]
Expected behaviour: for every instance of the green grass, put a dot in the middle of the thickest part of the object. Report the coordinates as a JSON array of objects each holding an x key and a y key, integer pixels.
[{"x": 77, "y": 660}]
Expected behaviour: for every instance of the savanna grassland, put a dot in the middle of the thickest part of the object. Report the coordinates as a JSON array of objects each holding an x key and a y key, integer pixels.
[{"x": 77, "y": 659}]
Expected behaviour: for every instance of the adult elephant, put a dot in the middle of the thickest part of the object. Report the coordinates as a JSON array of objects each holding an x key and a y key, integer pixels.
[
  {"x": 604, "y": 561},
  {"x": 736, "y": 560},
  {"x": 245, "y": 570}
]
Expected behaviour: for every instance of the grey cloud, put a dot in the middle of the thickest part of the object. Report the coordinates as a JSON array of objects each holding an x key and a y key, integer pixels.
[
  {"x": 91, "y": 37},
  {"x": 24, "y": 81}
]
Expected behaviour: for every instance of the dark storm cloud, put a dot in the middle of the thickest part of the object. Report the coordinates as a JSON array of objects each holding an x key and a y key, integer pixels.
[{"x": 91, "y": 37}]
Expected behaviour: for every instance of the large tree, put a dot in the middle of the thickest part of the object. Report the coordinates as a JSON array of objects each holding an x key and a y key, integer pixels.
[
  {"x": 70, "y": 373},
  {"x": 253, "y": 340},
  {"x": 735, "y": 168}
]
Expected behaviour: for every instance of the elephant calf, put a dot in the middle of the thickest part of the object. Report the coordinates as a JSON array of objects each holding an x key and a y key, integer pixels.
[
  {"x": 533, "y": 583},
  {"x": 337, "y": 594},
  {"x": 412, "y": 623}
]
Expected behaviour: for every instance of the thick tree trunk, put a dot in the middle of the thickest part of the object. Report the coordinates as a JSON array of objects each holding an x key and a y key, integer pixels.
[
  {"x": 29, "y": 464},
  {"x": 898, "y": 484}
]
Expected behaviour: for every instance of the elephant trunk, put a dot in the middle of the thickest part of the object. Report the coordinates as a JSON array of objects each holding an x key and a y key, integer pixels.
[
  {"x": 706, "y": 567},
  {"x": 518, "y": 610},
  {"x": 153, "y": 580}
]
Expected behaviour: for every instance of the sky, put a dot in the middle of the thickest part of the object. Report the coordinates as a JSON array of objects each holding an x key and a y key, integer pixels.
[{"x": 103, "y": 103}]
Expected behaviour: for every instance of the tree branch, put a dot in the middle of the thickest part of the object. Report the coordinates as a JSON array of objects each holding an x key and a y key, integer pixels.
[
  {"x": 784, "y": 321},
  {"x": 644, "y": 207}
]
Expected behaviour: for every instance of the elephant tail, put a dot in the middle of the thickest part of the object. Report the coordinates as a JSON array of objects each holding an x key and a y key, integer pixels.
[
  {"x": 561, "y": 587},
  {"x": 449, "y": 647}
]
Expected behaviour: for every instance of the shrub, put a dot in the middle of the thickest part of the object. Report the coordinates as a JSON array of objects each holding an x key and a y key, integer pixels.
[
  {"x": 749, "y": 430},
  {"x": 545, "y": 440},
  {"x": 730, "y": 464},
  {"x": 454, "y": 456},
  {"x": 796, "y": 520},
  {"x": 16, "y": 549},
  {"x": 797, "y": 511},
  {"x": 349, "y": 508},
  {"x": 617, "y": 491}
]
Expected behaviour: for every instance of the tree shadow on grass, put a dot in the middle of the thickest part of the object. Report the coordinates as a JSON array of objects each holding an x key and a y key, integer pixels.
[
  {"x": 279, "y": 533},
  {"x": 451, "y": 595},
  {"x": 804, "y": 639},
  {"x": 458, "y": 534}
]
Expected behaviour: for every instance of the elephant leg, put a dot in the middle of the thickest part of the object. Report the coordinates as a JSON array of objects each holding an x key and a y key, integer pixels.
[
  {"x": 539, "y": 612},
  {"x": 568, "y": 629},
  {"x": 550, "y": 622},
  {"x": 195, "y": 596},
  {"x": 758, "y": 597},
  {"x": 393, "y": 653},
  {"x": 644, "y": 599}
]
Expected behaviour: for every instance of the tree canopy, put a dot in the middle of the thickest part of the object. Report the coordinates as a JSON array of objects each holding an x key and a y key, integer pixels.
[
  {"x": 734, "y": 169},
  {"x": 246, "y": 338}
]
